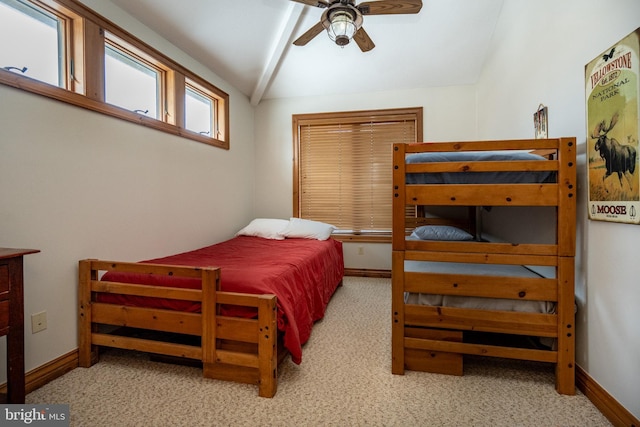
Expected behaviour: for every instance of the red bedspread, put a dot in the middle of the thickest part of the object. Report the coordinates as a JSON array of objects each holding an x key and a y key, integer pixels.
[{"x": 302, "y": 273}]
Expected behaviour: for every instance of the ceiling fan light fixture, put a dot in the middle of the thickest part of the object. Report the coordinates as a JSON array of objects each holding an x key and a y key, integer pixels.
[
  {"x": 342, "y": 27},
  {"x": 343, "y": 19}
]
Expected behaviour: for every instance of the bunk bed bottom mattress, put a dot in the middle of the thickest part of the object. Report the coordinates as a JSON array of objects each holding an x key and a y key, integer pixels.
[{"x": 469, "y": 302}]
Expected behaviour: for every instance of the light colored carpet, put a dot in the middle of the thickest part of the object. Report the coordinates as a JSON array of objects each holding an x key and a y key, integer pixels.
[{"x": 344, "y": 380}]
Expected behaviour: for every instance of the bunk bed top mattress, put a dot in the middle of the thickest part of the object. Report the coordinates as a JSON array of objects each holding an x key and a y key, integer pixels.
[
  {"x": 471, "y": 302},
  {"x": 302, "y": 273},
  {"x": 511, "y": 177}
]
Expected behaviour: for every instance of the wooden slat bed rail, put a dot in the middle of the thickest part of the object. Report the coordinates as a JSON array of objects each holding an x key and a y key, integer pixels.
[
  {"x": 516, "y": 288},
  {"x": 477, "y": 195},
  {"x": 490, "y": 145},
  {"x": 147, "y": 318},
  {"x": 146, "y": 291},
  {"x": 146, "y": 268},
  {"x": 237, "y": 329},
  {"x": 506, "y": 322},
  {"x": 481, "y": 258},
  {"x": 484, "y": 166},
  {"x": 232, "y": 349},
  {"x": 149, "y": 346},
  {"x": 480, "y": 247},
  {"x": 482, "y": 350}
]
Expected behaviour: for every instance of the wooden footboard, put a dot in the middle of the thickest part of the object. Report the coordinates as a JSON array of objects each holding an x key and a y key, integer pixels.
[{"x": 231, "y": 349}]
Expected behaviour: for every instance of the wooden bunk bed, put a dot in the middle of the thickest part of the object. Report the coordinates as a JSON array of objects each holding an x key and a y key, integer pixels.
[
  {"x": 238, "y": 307},
  {"x": 434, "y": 338}
]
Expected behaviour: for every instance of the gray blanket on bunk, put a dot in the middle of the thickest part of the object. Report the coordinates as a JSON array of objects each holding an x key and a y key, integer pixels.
[{"x": 515, "y": 177}]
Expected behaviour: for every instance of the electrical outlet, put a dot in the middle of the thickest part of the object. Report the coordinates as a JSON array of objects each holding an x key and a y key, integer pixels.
[
  {"x": 38, "y": 322},
  {"x": 360, "y": 250}
]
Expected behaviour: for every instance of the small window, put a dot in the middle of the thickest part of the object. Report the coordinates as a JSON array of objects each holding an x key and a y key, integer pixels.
[
  {"x": 131, "y": 82},
  {"x": 202, "y": 106},
  {"x": 199, "y": 112},
  {"x": 39, "y": 54}
]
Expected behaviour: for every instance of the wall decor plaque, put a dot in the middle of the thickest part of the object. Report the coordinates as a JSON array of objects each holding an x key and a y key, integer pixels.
[{"x": 612, "y": 97}]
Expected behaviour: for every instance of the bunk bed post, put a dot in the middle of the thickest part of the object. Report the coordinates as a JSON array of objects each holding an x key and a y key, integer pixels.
[
  {"x": 87, "y": 353},
  {"x": 397, "y": 267},
  {"x": 565, "y": 367},
  {"x": 267, "y": 351},
  {"x": 210, "y": 285},
  {"x": 399, "y": 206},
  {"x": 397, "y": 308},
  {"x": 567, "y": 197}
]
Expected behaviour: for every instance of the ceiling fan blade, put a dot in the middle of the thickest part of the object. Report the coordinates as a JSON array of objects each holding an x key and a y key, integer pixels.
[
  {"x": 364, "y": 41},
  {"x": 310, "y": 34},
  {"x": 316, "y": 3},
  {"x": 388, "y": 7}
]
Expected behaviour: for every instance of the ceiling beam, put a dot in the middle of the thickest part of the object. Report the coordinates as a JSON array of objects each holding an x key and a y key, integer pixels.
[{"x": 283, "y": 36}]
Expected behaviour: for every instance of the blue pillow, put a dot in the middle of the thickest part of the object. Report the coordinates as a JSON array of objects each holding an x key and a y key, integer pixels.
[{"x": 440, "y": 232}]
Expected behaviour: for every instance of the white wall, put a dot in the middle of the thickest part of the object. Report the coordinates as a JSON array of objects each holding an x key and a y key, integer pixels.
[
  {"x": 77, "y": 184},
  {"x": 449, "y": 114},
  {"x": 540, "y": 51}
]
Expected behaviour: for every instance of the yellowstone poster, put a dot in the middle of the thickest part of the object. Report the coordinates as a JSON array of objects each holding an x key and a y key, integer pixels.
[{"x": 612, "y": 97}]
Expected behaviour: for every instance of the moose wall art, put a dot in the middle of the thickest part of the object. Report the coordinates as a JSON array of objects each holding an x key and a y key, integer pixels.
[{"x": 612, "y": 102}]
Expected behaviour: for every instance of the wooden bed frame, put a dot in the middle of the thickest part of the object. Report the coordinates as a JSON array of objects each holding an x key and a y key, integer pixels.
[
  {"x": 434, "y": 339},
  {"x": 231, "y": 349}
]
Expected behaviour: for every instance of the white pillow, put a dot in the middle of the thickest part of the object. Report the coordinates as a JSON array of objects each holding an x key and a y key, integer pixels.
[
  {"x": 267, "y": 228},
  {"x": 307, "y": 229},
  {"x": 440, "y": 232}
]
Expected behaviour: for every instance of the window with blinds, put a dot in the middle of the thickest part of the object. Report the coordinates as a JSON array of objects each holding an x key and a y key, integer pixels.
[{"x": 343, "y": 171}]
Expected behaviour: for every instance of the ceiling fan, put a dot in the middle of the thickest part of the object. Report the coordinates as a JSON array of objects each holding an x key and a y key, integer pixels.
[{"x": 343, "y": 19}]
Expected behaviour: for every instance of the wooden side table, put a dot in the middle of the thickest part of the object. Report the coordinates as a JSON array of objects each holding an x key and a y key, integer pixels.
[{"x": 12, "y": 319}]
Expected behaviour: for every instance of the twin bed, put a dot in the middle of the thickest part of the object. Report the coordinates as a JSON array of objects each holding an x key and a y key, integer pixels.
[
  {"x": 238, "y": 306},
  {"x": 455, "y": 292}
]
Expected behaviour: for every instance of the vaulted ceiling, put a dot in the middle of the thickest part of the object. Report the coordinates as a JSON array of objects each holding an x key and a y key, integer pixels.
[{"x": 249, "y": 44}]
